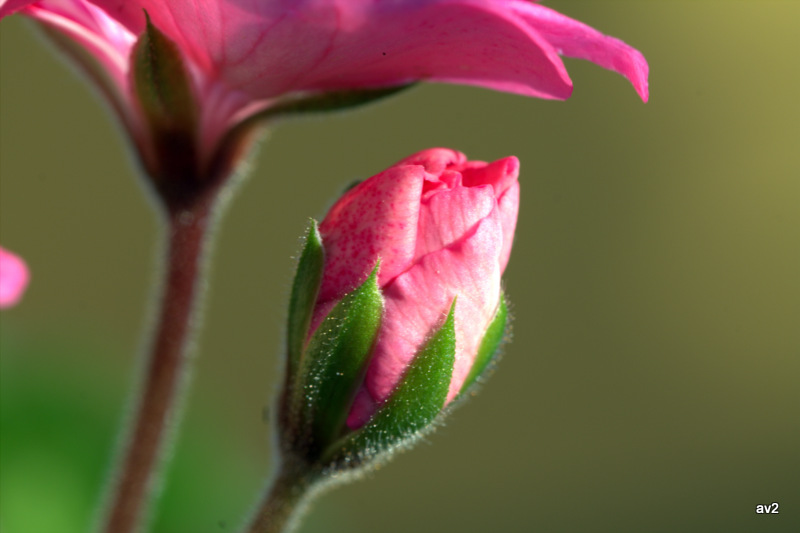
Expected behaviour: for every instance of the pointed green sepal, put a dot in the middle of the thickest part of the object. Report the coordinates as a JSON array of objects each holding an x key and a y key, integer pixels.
[
  {"x": 161, "y": 81},
  {"x": 413, "y": 405},
  {"x": 162, "y": 85},
  {"x": 335, "y": 362},
  {"x": 305, "y": 288},
  {"x": 490, "y": 347}
]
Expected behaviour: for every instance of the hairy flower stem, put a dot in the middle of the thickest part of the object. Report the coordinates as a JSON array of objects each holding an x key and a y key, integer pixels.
[
  {"x": 285, "y": 501},
  {"x": 165, "y": 366}
]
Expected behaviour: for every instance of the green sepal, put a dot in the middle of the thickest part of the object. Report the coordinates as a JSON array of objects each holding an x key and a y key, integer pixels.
[
  {"x": 161, "y": 81},
  {"x": 412, "y": 406},
  {"x": 489, "y": 348},
  {"x": 335, "y": 362},
  {"x": 305, "y": 289},
  {"x": 163, "y": 88}
]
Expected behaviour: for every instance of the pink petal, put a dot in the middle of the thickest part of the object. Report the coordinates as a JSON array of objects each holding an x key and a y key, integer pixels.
[
  {"x": 417, "y": 302},
  {"x": 508, "y": 207},
  {"x": 502, "y": 176},
  {"x": 575, "y": 39},
  {"x": 448, "y": 214},
  {"x": 101, "y": 35},
  {"x": 261, "y": 45},
  {"x": 435, "y": 161},
  {"x": 14, "y": 278},
  {"x": 377, "y": 218},
  {"x": 468, "y": 42},
  {"x": 129, "y": 13}
]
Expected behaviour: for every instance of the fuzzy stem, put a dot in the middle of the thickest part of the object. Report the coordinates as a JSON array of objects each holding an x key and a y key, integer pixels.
[
  {"x": 284, "y": 503},
  {"x": 165, "y": 368}
]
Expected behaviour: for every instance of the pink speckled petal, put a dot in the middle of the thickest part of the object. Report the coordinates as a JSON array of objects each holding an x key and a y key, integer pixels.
[
  {"x": 377, "y": 218},
  {"x": 14, "y": 278}
]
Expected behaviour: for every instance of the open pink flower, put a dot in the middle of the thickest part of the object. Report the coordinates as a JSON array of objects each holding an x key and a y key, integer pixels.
[
  {"x": 442, "y": 227},
  {"x": 14, "y": 278},
  {"x": 244, "y": 56}
]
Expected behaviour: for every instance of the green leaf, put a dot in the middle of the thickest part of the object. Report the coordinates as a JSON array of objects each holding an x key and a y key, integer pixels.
[
  {"x": 489, "y": 348},
  {"x": 336, "y": 360},
  {"x": 162, "y": 82},
  {"x": 413, "y": 405},
  {"x": 305, "y": 288}
]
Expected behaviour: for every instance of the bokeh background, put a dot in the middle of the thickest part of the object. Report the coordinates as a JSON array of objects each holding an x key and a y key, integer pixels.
[{"x": 652, "y": 382}]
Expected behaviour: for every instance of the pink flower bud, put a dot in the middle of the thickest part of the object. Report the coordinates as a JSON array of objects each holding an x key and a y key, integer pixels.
[
  {"x": 442, "y": 228},
  {"x": 14, "y": 278}
]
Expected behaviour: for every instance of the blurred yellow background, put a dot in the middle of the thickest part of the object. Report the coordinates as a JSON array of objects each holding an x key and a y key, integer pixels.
[{"x": 652, "y": 382}]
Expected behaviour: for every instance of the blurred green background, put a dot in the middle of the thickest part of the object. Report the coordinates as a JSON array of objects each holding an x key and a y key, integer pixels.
[{"x": 652, "y": 383}]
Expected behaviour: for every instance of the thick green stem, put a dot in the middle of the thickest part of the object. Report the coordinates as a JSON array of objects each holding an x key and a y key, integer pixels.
[
  {"x": 164, "y": 370},
  {"x": 284, "y": 502}
]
